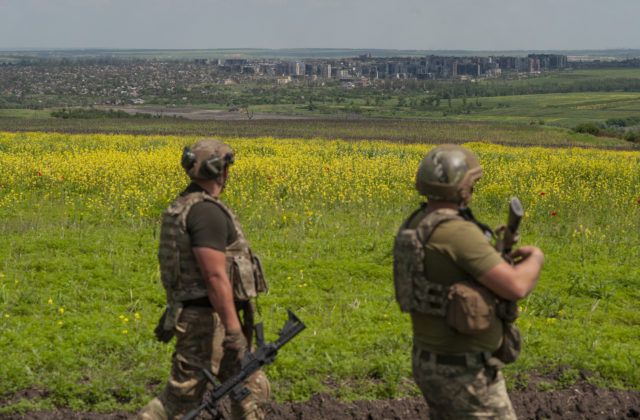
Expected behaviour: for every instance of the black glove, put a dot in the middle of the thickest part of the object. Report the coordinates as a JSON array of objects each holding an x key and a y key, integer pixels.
[{"x": 163, "y": 335}]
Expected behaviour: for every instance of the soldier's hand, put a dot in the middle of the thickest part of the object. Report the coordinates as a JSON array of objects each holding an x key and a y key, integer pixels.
[
  {"x": 234, "y": 345},
  {"x": 161, "y": 334},
  {"x": 526, "y": 252}
]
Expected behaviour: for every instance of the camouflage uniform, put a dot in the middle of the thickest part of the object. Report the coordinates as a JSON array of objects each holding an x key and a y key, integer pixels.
[
  {"x": 190, "y": 317},
  {"x": 435, "y": 249},
  {"x": 199, "y": 334},
  {"x": 476, "y": 390}
]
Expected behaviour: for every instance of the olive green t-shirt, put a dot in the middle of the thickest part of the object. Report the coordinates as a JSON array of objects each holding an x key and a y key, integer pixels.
[
  {"x": 457, "y": 250},
  {"x": 208, "y": 225}
]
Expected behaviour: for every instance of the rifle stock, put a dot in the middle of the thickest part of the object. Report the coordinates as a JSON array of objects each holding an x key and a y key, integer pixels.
[{"x": 264, "y": 354}]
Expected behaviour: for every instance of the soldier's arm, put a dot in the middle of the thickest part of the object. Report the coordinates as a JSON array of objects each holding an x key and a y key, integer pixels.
[
  {"x": 212, "y": 267},
  {"x": 514, "y": 282}
]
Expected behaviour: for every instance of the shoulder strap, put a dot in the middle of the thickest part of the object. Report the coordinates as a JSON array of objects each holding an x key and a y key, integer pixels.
[
  {"x": 182, "y": 205},
  {"x": 428, "y": 224}
]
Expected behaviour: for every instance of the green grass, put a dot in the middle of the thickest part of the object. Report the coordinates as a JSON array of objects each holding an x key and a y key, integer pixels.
[
  {"x": 24, "y": 114},
  {"x": 556, "y": 109}
]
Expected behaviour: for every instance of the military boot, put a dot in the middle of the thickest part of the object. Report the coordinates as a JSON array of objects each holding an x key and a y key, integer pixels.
[{"x": 154, "y": 410}]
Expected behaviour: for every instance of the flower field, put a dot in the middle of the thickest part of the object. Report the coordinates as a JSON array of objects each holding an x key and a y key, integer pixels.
[{"x": 80, "y": 290}]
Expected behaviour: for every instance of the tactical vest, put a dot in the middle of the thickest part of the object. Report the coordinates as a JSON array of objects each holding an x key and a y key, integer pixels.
[
  {"x": 179, "y": 270},
  {"x": 414, "y": 292}
]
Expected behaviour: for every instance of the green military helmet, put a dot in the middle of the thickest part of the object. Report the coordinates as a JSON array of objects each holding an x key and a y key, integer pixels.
[
  {"x": 207, "y": 159},
  {"x": 448, "y": 173}
]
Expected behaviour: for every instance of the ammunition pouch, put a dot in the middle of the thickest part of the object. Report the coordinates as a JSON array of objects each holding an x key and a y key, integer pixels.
[
  {"x": 471, "y": 309},
  {"x": 511, "y": 344},
  {"x": 507, "y": 310},
  {"x": 246, "y": 276}
]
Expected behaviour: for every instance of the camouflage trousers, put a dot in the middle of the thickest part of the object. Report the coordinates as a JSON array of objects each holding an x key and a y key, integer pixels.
[
  {"x": 474, "y": 391},
  {"x": 199, "y": 334}
]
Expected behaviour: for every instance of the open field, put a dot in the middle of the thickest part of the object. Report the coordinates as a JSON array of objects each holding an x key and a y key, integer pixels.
[
  {"x": 357, "y": 128},
  {"x": 80, "y": 291},
  {"x": 558, "y": 109}
]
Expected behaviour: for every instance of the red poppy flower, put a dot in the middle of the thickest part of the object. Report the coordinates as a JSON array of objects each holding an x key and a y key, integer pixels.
[
  {"x": 62, "y": 176},
  {"x": 39, "y": 173},
  {"x": 638, "y": 200},
  {"x": 327, "y": 169},
  {"x": 553, "y": 213},
  {"x": 542, "y": 193},
  {"x": 268, "y": 178}
]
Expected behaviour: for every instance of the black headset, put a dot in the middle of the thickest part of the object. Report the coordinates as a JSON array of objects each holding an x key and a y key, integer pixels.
[{"x": 210, "y": 168}]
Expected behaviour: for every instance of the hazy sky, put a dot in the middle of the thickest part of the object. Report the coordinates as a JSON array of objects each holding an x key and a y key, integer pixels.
[{"x": 388, "y": 24}]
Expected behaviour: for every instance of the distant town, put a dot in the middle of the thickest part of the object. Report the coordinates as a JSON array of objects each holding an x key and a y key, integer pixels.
[
  {"x": 39, "y": 82},
  {"x": 368, "y": 68}
]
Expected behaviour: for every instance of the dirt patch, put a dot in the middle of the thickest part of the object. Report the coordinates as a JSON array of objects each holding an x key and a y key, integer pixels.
[
  {"x": 579, "y": 401},
  {"x": 239, "y": 114}
]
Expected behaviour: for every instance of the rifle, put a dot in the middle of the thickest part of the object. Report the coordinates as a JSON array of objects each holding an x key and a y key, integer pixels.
[
  {"x": 508, "y": 235},
  {"x": 507, "y": 310},
  {"x": 264, "y": 354}
]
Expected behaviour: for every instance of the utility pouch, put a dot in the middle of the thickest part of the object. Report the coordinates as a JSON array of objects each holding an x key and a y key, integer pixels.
[
  {"x": 507, "y": 310},
  {"x": 242, "y": 278},
  {"x": 511, "y": 344},
  {"x": 171, "y": 315},
  {"x": 247, "y": 276},
  {"x": 261, "y": 282},
  {"x": 471, "y": 309}
]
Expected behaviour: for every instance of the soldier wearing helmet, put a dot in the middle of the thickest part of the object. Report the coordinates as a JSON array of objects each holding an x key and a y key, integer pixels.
[
  {"x": 444, "y": 261},
  {"x": 210, "y": 275}
]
